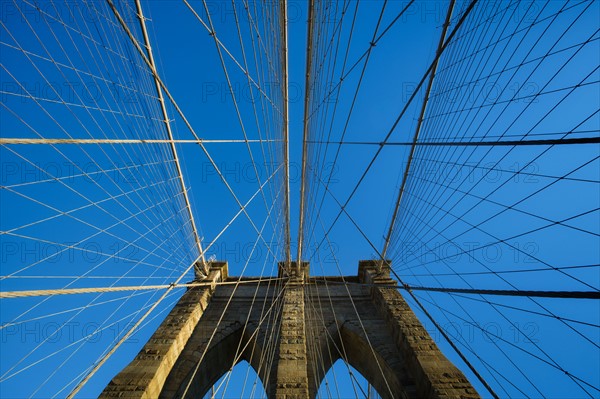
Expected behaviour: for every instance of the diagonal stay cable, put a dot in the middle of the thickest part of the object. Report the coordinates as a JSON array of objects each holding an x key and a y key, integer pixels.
[
  {"x": 402, "y": 112},
  {"x": 182, "y": 115},
  {"x": 231, "y": 92},
  {"x": 171, "y": 287},
  {"x": 163, "y": 107},
  {"x": 452, "y": 344},
  {"x": 417, "y": 129}
]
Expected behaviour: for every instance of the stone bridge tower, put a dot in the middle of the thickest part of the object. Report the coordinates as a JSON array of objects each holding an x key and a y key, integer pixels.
[{"x": 362, "y": 319}]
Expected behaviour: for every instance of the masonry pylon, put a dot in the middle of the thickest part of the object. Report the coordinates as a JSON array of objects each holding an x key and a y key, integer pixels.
[{"x": 291, "y": 332}]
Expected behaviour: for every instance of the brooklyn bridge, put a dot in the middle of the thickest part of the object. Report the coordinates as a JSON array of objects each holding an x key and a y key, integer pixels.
[{"x": 299, "y": 199}]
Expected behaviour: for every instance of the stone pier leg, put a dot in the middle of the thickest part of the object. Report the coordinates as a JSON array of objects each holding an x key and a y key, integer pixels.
[
  {"x": 145, "y": 376},
  {"x": 436, "y": 377},
  {"x": 291, "y": 379}
]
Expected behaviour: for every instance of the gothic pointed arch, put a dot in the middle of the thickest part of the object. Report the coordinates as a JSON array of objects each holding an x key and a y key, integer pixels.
[
  {"x": 205, "y": 360},
  {"x": 372, "y": 353},
  {"x": 241, "y": 381},
  {"x": 342, "y": 377},
  {"x": 362, "y": 319}
]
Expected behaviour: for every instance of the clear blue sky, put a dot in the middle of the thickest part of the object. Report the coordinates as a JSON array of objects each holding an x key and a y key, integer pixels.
[{"x": 102, "y": 215}]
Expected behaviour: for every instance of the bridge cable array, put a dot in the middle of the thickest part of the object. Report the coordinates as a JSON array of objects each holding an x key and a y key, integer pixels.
[{"x": 456, "y": 143}]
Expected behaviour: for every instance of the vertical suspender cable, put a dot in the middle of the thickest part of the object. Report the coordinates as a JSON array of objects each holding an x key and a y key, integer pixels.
[
  {"x": 286, "y": 142},
  {"x": 307, "y": 94}
]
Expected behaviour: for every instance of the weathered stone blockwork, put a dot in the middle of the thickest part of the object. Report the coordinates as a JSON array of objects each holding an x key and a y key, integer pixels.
[
  {"x": 292, "y": 379},
  {"x": 435, "y": 376},
  {"x": 145, "y": 376},
  {"x": 291, "y": 333}
]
